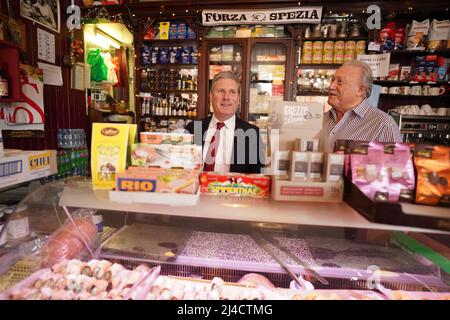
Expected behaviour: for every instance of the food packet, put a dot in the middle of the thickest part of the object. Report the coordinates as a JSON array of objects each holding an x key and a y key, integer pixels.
[
  {"x": 400, "y": 172},
  {"x": 368, "y": 171},
  {"x": 433, "y": 174},
  {"x": 417, "y": 34},
  {"x": 439, "y": 34}
]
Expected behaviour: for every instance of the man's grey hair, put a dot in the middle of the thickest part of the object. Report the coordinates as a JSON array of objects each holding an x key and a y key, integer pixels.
[
  {"x": 226, "y": 75},
  {"x": 366, "y": 75}
]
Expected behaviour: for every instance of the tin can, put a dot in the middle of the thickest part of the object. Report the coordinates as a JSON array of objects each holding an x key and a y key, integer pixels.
[
  {"x": 328, "y": 46},
  {"x": 317, "y": 46},
  {"x": 307, "y": 57},
  {"x": 327, "y": 57},
  {"x": 339, "y": 46},
  {"x": 338, "y": 57},
  {"x": 350, "y": 46},
  {"x": 317, "y": 57},
  {"x": 307, "y": 46}
]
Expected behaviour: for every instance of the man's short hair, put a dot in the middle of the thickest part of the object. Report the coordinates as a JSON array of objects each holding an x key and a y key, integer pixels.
[
  {"x": 366, "y": 75},
  {"x": 226, "y": 75}
]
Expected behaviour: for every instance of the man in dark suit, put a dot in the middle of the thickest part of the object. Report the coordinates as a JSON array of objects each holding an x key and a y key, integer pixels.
[{"x": 229, "y": 143}]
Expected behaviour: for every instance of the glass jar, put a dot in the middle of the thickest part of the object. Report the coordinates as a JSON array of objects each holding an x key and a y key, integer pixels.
[{"x": 18, "y": 226}]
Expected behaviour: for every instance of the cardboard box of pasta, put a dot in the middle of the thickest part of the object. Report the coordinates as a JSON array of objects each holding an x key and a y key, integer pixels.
[
  {"x": 20, "y": 166},
  {"x": 253, "y": 185},
  {"x": 286, "y": 190}
]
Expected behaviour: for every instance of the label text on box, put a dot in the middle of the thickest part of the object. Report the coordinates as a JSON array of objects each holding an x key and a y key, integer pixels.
[{"x": 302, "y": 191}]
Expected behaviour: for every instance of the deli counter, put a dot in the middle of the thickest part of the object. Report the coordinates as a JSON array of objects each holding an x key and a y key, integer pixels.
[{"x": 250, "y": 248}]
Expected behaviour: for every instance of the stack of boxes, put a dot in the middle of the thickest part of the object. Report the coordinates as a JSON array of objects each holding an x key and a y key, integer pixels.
[{"x": 300, "y": 171}]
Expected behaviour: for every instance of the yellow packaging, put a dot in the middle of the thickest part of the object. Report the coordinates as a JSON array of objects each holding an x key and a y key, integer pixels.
[
  {"x": 327, "y": 57},
  {"x": 338, "y": 57},
  {"x": 317, "y": 57},
  {"x": 328, "y": 46},
  {"x": 350, "y": 46},
  {"x": 164, "y": 30},
  {"x": 108, "y": 153},
  {"x": 317, "y": 46},
  {"x": 307, "y": 46},
  {"x": 360, "y": 46},
  {"x": 307, "y": 57},
  {"x": 349, "y": 56},
  {"x": 339, "y": 46}
]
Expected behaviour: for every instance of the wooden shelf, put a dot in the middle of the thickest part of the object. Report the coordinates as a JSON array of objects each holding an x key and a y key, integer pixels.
[
  {"x": 418, "y": 52},
  {"x": 261, "y": 81},
  {"x": 220, "y": 63},
  {"x": 310, "y": 93},
  {"x": 401, "y": 82},
  {"x": 268, "y": 62},
  {"x": 170, "y": 41},
  {"x": 334, "y": 39},
  {"x": 319, "y": 65},
  {"x": 144, "y": 116},
  {"x": 413, "y": 96},
  {"x": 169, "y": 91},
  {"x": 169, "y": 66}
]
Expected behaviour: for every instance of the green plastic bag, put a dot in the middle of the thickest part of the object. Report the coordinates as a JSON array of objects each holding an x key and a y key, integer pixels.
[{"x": 99, "y": 70}]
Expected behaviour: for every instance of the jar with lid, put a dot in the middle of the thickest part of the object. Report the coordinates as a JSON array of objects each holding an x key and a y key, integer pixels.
[{"x": 18, "y": 226}]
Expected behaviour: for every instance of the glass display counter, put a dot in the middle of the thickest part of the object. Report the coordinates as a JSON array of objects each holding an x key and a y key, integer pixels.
[{"x": 328, "y": 246}]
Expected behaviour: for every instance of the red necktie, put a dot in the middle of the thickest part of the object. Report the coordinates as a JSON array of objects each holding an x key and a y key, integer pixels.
[{"x": 210, "y": 160}]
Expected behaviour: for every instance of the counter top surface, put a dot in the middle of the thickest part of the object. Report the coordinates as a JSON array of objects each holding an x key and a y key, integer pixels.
[{"x": 235, "y": 208}]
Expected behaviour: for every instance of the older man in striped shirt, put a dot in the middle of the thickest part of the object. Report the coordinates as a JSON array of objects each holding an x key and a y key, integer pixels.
[{"x": 352, "y": 117}]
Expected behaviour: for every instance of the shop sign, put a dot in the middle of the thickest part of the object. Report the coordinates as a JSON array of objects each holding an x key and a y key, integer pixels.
[{"x": 264, "y": 16}]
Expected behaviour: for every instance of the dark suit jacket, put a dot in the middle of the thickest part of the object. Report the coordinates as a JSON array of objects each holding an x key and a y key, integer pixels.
[{"x": 248, "y": 155}]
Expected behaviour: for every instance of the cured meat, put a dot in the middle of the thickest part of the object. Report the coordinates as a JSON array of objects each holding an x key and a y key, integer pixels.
[{"x": 66, "y": 243}]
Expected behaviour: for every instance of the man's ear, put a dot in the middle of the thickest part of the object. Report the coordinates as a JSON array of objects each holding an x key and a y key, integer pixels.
[{"x": 361, "y": 90}]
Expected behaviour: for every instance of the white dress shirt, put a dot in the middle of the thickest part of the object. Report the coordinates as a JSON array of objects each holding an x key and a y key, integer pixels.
[{"x": 225, "y": 148}]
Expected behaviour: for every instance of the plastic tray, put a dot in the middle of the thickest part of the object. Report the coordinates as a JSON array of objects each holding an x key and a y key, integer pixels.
[{"x": 396, "y": 213}]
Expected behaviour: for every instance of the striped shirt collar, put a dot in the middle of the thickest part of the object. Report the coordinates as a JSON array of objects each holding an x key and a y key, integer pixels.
[{"x": 360, "y": 110}]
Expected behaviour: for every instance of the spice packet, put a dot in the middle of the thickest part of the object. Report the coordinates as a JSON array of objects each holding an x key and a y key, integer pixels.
[{"x": 433, "y": 174}]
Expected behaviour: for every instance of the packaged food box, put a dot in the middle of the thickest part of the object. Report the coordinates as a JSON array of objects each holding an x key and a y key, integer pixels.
[
  {"x": 164, "y": 30},
  {"x": 433, "y": 174},
  {"x": 286, "y": 190},
  {"x": 166, "y": 155},
  {"x": 166, "y": 138},
  {"x": 108, "y": 152},
  {"x": 253, "y": 185},
  {"x": 138, "y": 179}
]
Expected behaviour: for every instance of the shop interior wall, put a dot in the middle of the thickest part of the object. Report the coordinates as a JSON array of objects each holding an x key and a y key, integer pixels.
[{"x": 64, "y": 107}]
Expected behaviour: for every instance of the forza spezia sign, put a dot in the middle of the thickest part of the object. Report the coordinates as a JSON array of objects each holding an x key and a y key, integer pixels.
[{"x": 264, "y": 16}]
